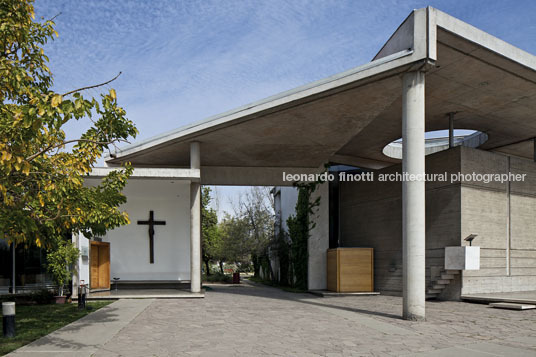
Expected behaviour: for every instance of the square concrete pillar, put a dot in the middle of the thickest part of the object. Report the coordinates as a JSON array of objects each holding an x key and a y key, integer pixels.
[
  {"x": 195, "y": 222},
  {"x": 462, "y": 258}
]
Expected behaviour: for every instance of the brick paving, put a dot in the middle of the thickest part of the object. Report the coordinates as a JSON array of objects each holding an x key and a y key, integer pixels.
[{"x": 256, "y": 320}]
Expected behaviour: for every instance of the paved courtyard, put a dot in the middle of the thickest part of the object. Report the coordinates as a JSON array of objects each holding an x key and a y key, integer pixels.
[{"x": 256, "y": 320}]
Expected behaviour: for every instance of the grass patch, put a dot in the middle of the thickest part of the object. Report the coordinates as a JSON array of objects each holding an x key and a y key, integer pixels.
[
  {"x": 35, "y": 321},
  {"x": 276, "y": 285}
]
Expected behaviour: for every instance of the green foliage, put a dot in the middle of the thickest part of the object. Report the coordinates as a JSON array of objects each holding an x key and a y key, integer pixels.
[
  {"x": 235, "y": 243},
  {"x": 42, "y": 193},
  {"x": 42, "y": 296},
  {"x": 241, "y": 239},
  {"x": 244, "y": 267},
  {"x": 257, "y": 211},
  {"x": 60, "y": 261},
  {"x": 218, "y": 277},
  {"x": 210, "y": 233},
  {"x": 39, "y": 297},
  {"x": 299, "y": 227}
]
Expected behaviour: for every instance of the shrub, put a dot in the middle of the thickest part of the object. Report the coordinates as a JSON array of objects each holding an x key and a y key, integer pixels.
[
  {"x": 43, "y": 296},
  {"x": 218, "y": 278},
  {"x": 60, "y": 259},
  {"x": 39, "y": 297}
]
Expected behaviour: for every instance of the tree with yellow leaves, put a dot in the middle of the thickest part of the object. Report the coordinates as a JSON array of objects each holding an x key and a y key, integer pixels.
[{"x": 42, "y": 191}]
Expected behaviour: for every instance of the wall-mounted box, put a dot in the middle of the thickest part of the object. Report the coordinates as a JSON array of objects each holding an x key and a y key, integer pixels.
[
  {"x": 84, "y": 251},
  {"x": 462, "y": 258}
]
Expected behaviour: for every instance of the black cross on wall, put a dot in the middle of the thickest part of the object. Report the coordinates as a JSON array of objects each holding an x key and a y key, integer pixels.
[{"x": 151, "y": 222}]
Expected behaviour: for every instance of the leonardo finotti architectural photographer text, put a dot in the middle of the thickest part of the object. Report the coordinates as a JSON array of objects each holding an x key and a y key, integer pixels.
[{"x": 404, "y": 176}]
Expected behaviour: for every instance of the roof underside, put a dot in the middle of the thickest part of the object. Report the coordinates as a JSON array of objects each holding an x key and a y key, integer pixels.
[{"x": 349, "y": 118}]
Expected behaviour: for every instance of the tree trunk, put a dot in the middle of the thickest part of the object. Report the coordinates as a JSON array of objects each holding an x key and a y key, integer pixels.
[
  {"x": 221, "y": 266},
  {"x": 256, "y": 266},
  {"x": 207, "y": 267}
]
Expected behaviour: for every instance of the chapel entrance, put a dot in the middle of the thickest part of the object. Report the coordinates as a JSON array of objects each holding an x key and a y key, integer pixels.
[{"x": 100, "y": 265}]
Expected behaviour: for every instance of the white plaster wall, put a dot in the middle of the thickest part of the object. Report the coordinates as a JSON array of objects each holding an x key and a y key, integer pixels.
[
  {"x": 83, "y": 260},
  {"x": 289, "y": 197},
  {"x": 129, "y": 245},
  {"x": 318, "y": 243},
  {"x": 82, "y": 267},
  {"x": 319, "y": 239}
]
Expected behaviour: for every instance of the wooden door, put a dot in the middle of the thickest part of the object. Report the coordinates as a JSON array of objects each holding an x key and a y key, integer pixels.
[{"x": 100, "y": 265}]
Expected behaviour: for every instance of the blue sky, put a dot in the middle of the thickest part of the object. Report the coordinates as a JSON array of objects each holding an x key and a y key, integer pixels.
[{"x": 183, "y": 61}]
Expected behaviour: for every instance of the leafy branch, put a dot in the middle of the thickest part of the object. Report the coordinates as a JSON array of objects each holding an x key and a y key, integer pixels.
[
  {"x": 91, "y": 87},
  {"x": 62, "y": 144}
]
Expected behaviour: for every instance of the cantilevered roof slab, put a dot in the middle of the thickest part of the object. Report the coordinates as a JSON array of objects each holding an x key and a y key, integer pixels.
[
  {"x": 350, "y": 117},
  {"x": 300, "y": 128}
]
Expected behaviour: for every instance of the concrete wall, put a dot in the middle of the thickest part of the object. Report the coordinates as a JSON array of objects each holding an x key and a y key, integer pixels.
[
  {"x": 504, "y": 217},
  {"x": 371, "y": 216},
  {"x": 129, "y": 245},
  {"x": 318, "y": 243},
  {"x": 83, "y": 261},
  {"x": 286, "y": 205},
  {"x": 401, "y": 40}
]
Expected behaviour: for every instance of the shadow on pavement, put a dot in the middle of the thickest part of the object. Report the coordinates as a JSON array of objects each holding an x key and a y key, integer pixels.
[{"x": 264, "y": 291}]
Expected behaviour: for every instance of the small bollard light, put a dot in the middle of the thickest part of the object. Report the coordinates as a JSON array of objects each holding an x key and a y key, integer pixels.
[
  {"x": 8, "y": 319},
  {"x": 82, "y": 291},
  {"x": 116, "y": 281},
  {"x": 82, "y": 294}
]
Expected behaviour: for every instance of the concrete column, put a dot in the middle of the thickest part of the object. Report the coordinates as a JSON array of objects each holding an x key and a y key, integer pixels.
[
  {"x": 451, "y": 130},
  {"x": 318, "y": 242},
  {"x": 195, "y": 221},
  {"x": 413, "y": 196}
]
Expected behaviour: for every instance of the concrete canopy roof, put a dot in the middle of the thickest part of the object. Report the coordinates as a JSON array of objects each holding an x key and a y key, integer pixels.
[{"x": 348, "y": 118}]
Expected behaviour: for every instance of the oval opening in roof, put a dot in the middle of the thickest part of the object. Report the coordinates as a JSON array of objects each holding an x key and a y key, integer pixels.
[{"x": 438, "y": 140}]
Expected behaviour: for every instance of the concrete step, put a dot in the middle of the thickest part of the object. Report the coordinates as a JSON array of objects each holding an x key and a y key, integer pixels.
[
  {"x": 447, "y": 276},
  {"x": 512, "y": 306},
  {"x": 433, "y": 291},
  {"x": 438, "y": 287},
  {"x": 452, "y": 272},
  {"x": 149, "y": 284},
  {"x": 442, "y": 281}
]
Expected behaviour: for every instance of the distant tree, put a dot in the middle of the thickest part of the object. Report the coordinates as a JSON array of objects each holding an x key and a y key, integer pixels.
[
  {"x": 235, "y": 244},
  {"x": 210, "y": 233},
  {"x": 246, "y": 236},
  {"x": 257, "y": 209},
  {"x": 42, "y": 193}
]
